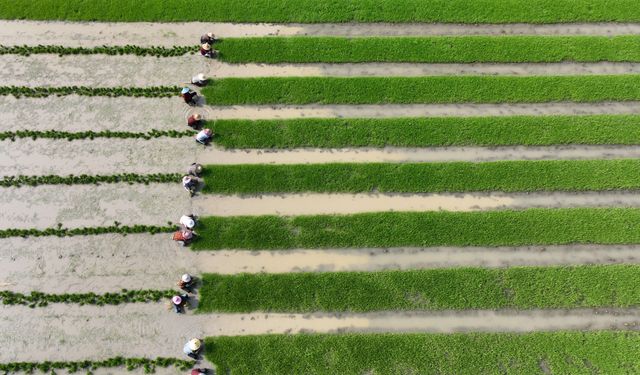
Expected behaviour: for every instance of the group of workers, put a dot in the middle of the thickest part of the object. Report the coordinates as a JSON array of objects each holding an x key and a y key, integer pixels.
[{"x": 185, "y": 234}]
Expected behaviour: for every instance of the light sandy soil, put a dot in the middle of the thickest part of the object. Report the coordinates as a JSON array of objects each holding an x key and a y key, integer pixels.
[
  {"x": 79, "y": 332},
  {"x": 74, "y": 113},
  {"x": 155, "y": 204},
  {"x": 86, "y": 34},
  {"x": 109, "y": 263},
  {"x": 104, "y": 156},
  {"x": 114, "y": 71}
]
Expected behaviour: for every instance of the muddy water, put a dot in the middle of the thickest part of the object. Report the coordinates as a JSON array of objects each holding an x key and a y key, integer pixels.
[
  {"x": 147, "y": 330},
  {"x": 92, "y": 205},
  {"x": 419, "y": 110},
  {"x": 108, "y": 263},
  {"x": 168, "y": 34},
  {"x": 173, "y": 155},
  {"x": 317, "y": 204},
  {"x": 114, "y": 71},
  {"x": 155, "y": 204}
]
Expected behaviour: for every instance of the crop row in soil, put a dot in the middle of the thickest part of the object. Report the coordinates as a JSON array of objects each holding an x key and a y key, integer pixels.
[
  {"x": 506, "y": 176},
  {"x": 469, "y": 353},
  {"x": 313, "y": 11},
  {"x": 428, "y": 132},
  {"x": 394, "y": 229},
  {"x": 439, "y": 49},
  {"x": 423, "y": 90}
]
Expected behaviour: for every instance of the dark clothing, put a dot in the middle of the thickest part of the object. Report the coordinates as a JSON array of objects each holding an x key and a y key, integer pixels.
[
  {"x": 193, "y": 123},
  {"x": 189, "y": 97},
  {"x": 206, "y": 39},
  {"x": 188, "y": 287},
  {"x": 206, "y": 53}
]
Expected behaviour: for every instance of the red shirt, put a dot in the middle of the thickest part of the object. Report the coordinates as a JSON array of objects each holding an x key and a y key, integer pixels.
[{"x": 191, "y": 121}]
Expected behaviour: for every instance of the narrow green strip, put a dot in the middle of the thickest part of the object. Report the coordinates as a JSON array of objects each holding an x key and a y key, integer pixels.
[
  {"x": 71, "y": 136},
  {"x": 435, "y": 49},
  {"x": 38, "y": 299},
  {"x": 507, "y": 176},
  {"x": 439, "y": 289},
  {"x": 459, "y": 11},
  {"x": 103, "y": 50},
  {"x": 465, "y": 354},
  {"x": 128, "y": 364},
  {"x": 408, "y": 90},
  {"x": 428, "y": 132},
  {"x": 59, "y": 231},
  {"x": 434, "y": 228},
  {"x": 41, "y": 92},
  {"x": 83, "y": 179}
]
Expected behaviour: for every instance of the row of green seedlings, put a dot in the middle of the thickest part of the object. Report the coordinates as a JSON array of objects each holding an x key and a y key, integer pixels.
[
  {"x": 70, "y": 136},
  {"x": 59, "y": 231},
  {"x": 83, "y": 179},
  {"x": 38, "y": 299},
  {"x": 131, "y": 364},
  {"x": 104, "y": 50},
  {"x": 41, "y": 92}
]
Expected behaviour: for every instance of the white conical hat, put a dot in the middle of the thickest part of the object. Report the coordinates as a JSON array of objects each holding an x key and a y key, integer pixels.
[
  {"x": 186, "y": 278},
  {"x": 194, "y": 344}
]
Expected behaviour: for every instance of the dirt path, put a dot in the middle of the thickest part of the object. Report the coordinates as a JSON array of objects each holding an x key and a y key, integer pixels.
[
  {"x": 173, "y": 155},
  {"x": 168, "y": 34},
  {"x": 80, "y": 332},
  {"x": 156, "y": 204},
  {"x": 109, "y": 263},
  {"x": 113, "y": 71},
  {"x": 73, "y": 113}
]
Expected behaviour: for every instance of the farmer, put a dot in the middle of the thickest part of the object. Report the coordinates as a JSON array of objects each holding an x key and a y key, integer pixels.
[
  {"x": 204, "y": 136},
  {"x": 179, "y": 302},
  {"x": 190, "y": 184},
  {"x": 188, "y": 221},
  {"x": 199, "y": 80},
  {"x": 194, "y": 121},
  {"x": 183, "y": 237},
  {"x": 186, "y": 283},
  {"x": 190, "y": 97},
  {"x": 206, "y": 51},
  {"x": 195, "y": 170},
  {"x": 208, "y": 38},
  {"x": 193, "y": 348}
]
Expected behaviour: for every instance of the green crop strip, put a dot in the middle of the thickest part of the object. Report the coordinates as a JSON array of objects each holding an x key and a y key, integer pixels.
[
  {"x": 408, "y": 90},
  {"x": 439, "y": 289},
  {"x": 601, "y": 352},
  {"x": 428, "y": 132},
  {"x": 71, "y": 136},
  {"x": 460, "y": 11},
  {"x": 38, "y": 299},
  {"x": 41, "y": 92},
  {"x": 130, "y": 364},
  {"x": 436, "y": 49},
  {"x": 102, "y": 50},
  {"x": 507, "y": 176},
  {"x": 59, "y": 231},
  {"x": 130, "y": 178},
  {"x": 432, "y": 228}
]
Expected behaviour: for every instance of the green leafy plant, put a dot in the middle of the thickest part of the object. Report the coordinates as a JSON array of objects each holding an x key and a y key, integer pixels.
[
  {"x": 149, "y": 365},
  {"x": 59, "y": 231},
  {"x": 38, "y": 299},
  {"x": 131, "y": 178},
  {"x": 41, "y": 92},
  {"x": 71, "y": 136},
  {"x": 104, "y": 50}
]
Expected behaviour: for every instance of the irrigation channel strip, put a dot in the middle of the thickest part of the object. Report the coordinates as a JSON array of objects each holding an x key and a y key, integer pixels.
[
  {"x": 105, "y": 156},
  {"x": 78, "y": 332},
  {"x": 114, "y": 71},
  {"x": 168, "y": 34},
  {"x": 109, "y": 263},
  {"x": 75, "y": 113},
  {"x": 45, "y": 206}
]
